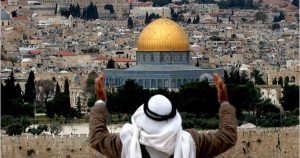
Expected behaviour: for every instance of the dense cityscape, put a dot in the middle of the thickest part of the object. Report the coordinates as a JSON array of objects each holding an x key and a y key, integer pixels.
[{"x": 53, "y": 50}]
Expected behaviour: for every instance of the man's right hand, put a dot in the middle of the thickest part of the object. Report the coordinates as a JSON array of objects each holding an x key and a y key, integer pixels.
[
  {"x": 100, "y": 87},
  {"x": 221, "y": 87}
]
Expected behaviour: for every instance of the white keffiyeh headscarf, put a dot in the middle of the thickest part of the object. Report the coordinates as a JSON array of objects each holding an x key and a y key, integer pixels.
[{"x": 161, "y": 138}]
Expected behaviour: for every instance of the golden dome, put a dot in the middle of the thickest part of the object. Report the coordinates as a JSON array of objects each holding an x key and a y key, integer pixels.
[{"x": 163, "y": 35}]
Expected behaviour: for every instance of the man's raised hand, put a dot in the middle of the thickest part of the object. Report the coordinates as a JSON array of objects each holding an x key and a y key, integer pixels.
[
  {"x": 221, "y": 87},
  {"x": 100, "y": 87}
]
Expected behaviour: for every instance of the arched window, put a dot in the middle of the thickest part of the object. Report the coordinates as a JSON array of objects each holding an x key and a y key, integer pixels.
[
  {"x": 184, "y": 81},
  {"x": 153, "y": 83},
  {"x": 179, "y": 83},
  {"x": 147, "y": 83},
  {"x": 141, "y": 82},
  {"x": 160, "y": 83},
  {"x": 293, "y": 79},
  {"x": 280, "y": 81},
  {"x": 274, "y": 81},
  {"x": 166, "y": 83},
  {"x": 173, "y": 85}
]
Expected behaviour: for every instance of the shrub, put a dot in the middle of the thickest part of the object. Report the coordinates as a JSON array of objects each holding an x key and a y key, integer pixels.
[
  {"x": 278, "y": 120},
  {"x": 190, "y": 120},
  {"x": 248, "y": 118},
  {"x": 38, "y": 130},
  {"x": 14, "y": 126},
  {"x": 55, "y": 128},
  {"x": 14, "y": 129},
  {"x": 7, "y": 120}
]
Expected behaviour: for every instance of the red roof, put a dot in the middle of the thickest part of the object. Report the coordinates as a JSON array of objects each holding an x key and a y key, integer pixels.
[
  {"x": 20, "y": 18},
  {"x": 291, "y": 6},
  {"x": 101, "y": 58},
  {"x": 4, "y": 2},
  {"x": 213, "y": 15},
  {"x": 62, "y": 53},
  {"x": 289, "y": 19},
  {"x": 123, "y": 60},
  {"x": 35, "y": 52}
]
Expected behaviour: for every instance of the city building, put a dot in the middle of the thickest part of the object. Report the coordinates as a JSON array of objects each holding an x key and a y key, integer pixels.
[{"x": 163, "y": 60}]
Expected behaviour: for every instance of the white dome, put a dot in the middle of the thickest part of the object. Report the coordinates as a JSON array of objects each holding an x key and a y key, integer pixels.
[
  {"x": 26, "y": 60},
  {"x": 247, "y": 125},
  {"x": 64, "y": 72},
  {"x": 33, "y": 69}
]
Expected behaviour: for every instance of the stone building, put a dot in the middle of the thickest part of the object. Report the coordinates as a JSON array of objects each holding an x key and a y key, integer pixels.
[
  {"x": 5, "y": 19},
  {"x": 162, "y": 58},
  {"x": 120, "y": 6}
]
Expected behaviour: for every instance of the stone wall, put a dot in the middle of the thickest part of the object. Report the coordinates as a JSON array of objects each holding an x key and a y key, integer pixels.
[
  {"x": 265, "y": 143},
  {"x": 259, "y": 143}
]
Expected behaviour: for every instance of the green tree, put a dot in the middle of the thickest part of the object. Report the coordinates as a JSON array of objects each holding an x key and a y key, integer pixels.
[
  {"x": 90, "y": 12},
  {"x": 129, "y": 97},
  {"x": 226, "y": 77},
  {"x": 260, "y": 15},
  {"x": 249, "y": 4},
  {"x": 66, "y": 106},
  {"x": 275, "y": 26},
  {"x": 57, "y": 89},
  {"x": 279, "y": 17},
  {"x": 91, "y": 101},
  {"x": 130, "y": 23},
  {"x": 17, "y": 127},
  {"x": 147, "y": 21},
  {"x": 14, "y": 129},
  {"x": 55, "y": 11},
  {"x": 296, "y": 3},
  {"x": 196, "y": 20},
  {"x": 14, "y": 13},
  {"x": 78, "y": 107},
  {"x": 244, "y": 78},
  {"x": 199, "y": 98},
  {"x": 77, "y": 11},
  {"x": 257, "y": 76},
  {"x": 110, "y": 64},
  {"x": 12, "y": 100},
  {"x": 189, "y": 21},
  {"x": 50, "y": 109},
  {"x": 234, "y": 76},
  {"x": 66, "y": 88},
  {"x": 290, "y": 99},
  {"x": 30, "y": 93}
]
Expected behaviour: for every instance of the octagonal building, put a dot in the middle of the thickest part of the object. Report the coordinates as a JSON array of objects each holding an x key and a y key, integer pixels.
[{"x": 163, "y": 60}]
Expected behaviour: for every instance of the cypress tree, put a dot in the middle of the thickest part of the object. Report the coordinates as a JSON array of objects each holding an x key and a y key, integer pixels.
[
  {"x": 147, "y": 18},
  {"x": 55, "y": 9},
  {"x": 130, "y": 23},
  {"x": 66, "y": 90},
  {"x": 57, "y": 89},
  {"x": 10, "y": 85},
  {"x": 189, "y": 20},
  {"x": 30, "y": 93}
]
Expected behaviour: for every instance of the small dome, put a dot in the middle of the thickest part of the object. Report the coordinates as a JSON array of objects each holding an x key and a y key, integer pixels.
[
  {"x": 26, "y": 60},
  {"x": 64, "y": 72},
  {"x": 5, "y": 15},
  {"x": 163, "y": 35}
]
